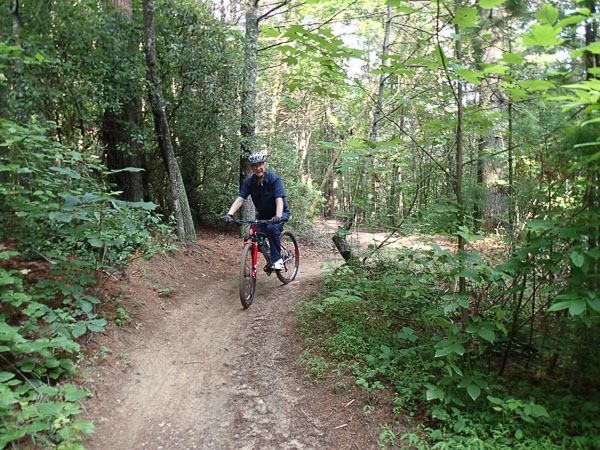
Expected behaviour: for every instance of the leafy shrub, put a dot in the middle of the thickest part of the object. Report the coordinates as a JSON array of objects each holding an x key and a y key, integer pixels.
[
  {"x": 395, "y": 323},
  {"x": 56, "y": 212}
]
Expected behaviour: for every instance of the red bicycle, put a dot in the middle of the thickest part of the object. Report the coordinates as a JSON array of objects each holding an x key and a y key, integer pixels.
[{"x": 258, "y": 241}]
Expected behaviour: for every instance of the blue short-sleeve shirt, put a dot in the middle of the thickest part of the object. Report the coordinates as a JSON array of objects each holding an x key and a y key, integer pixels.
[{"x": 263, "y": 196}]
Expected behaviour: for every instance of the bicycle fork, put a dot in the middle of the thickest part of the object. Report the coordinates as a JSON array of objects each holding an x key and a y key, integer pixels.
[{"x": 254, "y": 257}]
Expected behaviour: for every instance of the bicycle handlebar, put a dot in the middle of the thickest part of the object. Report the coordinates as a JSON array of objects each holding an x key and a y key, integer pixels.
[{"x": 252, "y": 222}]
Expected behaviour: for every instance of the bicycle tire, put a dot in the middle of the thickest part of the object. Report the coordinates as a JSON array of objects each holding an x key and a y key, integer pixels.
[
  {"x": 291, "y": 258},
  {"x": 247, "y": 276}
]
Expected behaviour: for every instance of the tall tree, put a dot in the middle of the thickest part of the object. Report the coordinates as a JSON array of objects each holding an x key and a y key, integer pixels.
[
  {"x": 120, "y": 122},
  {"x": 181, "y": 208},
  {"x": 378, "y": 109},
  {"x": 248, "y": 119},
  {"x": 18, "y": 88}
]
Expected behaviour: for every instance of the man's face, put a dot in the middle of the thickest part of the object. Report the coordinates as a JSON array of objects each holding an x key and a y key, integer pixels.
[{"x": 259, "y": 169}]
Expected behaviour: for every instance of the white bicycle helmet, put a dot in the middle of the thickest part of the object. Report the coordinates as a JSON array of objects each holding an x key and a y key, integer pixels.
[{"x": 256, "y": 157}]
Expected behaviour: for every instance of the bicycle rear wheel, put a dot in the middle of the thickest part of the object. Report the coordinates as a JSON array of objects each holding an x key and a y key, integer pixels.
[
  {"x": 247, "y": 276},
  {"x": 290, "y": 256}
]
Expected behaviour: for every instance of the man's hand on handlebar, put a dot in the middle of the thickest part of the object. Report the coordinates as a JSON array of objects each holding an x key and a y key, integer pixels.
[
  {"x": 227, "y": 218},
  {"x": 250, "y": 222},
  {"x": 276, "y": 219}
]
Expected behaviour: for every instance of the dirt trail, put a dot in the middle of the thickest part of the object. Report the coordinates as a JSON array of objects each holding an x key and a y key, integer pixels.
[
  {"x": 210, "y": 374},
  {"x": 196, "y": 370}
]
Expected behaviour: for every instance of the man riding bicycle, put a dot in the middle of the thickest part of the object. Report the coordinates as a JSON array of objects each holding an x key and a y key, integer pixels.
[{"x": 268, "y": 196}]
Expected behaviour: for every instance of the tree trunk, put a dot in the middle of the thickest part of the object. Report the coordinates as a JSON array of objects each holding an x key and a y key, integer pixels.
[
  {"x": 339, "y": 239},
  {"x": 122, "y": 151},
  {"x": 379, "y": 104},
  {"x": 181, "y": 208},
  {"x": 118, "y": 127},
  {"x": 479, "y": 201},
  {"x": 462, "y": 286},
  {"x": 304, "y": 136},
  {"x": 591, "y": 60},
  {"x": 17, "y": 85},
  {"x": 248, "y": 119}
]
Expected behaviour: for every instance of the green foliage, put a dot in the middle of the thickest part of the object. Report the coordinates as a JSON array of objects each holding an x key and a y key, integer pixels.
[
  {"x": 203, "y": 58},
  {"x": 53, "y": 210},
  {"x": 393, "y": 322}
]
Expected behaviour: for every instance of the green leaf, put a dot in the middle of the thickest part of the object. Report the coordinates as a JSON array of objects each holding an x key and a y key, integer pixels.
[
  {"x": 61, "y": 217},
  {"x": 487, "y": 334},
  {"x": 473, "y": 391},
  {"x": 573, "y": 20},
  {"x": 47, "y": 390},
  {"x": 587, "y": 160},
  {"x": 519, "y": 434},
  {"x": 96, "y": 325},
  {"x": 458, "y": 349},
  {"x": 544, "y": 35},
  {"x": 470, "y": 76},
  {"x": 539, "y": 411},
  {"x": 86, "y": 307},
  {"x": 7, "y": 333},
  {"x": 270, "y": 32},
  {"x": 126, "y": 169},
  {"x": 5, "y": 376},
  {"x": 594, "y": 303},
  {"x": 85, "y": 426},
  {"x": 547, "y": 15},
  {"x": 577, "y": 258},
  {"x": 434, "y": 393},
  {"x": 577, "y": 307},
  {"x": 96, "y": 242},
  {"x": 489, "y": 4},
  {"x": 92, "y": 299},
  {"x": 496, "y": 68},
  {"x": 494, "y": 400},
  {"x": 587, "y": 122},
  {"x": 559, "y": 306},
  {"x": 593, "y": 48},
  {"x": 71, "y": 393},
  {"x": 466, "y": 18},
  {"x": 79, "y": 329},
  {"x": 467, "y": 272},
  {"x": 459, "y": 425},
  {"x": 537, "y": 85},
  {"x": 148, "y": 206},
  {"x": 66, "y": 171}
]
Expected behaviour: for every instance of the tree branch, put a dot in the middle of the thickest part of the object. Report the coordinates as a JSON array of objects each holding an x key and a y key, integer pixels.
[{"x": 265, "y": 15}]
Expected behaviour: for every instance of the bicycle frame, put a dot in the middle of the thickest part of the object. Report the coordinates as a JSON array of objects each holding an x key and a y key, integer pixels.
[{"x": 253, "y": 240}]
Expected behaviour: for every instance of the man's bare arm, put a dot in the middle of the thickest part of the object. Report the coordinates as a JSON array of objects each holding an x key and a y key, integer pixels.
[{"x": 235, "y": 206}]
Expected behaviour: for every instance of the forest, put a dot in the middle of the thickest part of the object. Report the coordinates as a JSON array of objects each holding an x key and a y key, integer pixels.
[{"x": 125, "y": 125}]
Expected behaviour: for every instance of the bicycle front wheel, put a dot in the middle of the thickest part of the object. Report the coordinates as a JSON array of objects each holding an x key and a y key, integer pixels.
[
  {"x": 290, "y": 256},
  {"x": 247, "y": 276}
]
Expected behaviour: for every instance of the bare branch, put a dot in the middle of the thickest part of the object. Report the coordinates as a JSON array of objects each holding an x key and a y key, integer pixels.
[{"x": 281, "y": 5}]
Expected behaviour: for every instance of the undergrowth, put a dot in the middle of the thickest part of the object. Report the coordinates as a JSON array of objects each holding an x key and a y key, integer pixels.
[
  {"x": 394, "y": 323},
  {"x": 61, "y": 231}
]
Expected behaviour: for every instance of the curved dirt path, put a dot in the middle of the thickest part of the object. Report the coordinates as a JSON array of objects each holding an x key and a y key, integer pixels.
[{"x": 210, "y": 374}]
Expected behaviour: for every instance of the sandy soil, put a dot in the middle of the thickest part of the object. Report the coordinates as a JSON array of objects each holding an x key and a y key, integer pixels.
[{"x": 193, "y": 369}]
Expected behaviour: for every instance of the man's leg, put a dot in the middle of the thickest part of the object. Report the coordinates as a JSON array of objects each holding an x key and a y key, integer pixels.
[{"x": 274, "y": 234}]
